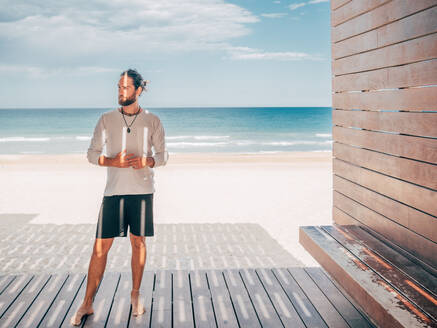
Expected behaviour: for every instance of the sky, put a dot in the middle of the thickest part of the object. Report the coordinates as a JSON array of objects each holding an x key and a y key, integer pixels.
[{"x": 195, "y": 53}]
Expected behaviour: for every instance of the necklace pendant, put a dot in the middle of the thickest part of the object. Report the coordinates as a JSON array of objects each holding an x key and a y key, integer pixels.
[{"x": 128, "y": 130}]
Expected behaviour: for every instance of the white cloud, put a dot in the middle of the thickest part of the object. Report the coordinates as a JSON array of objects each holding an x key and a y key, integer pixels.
[
  {"x": 274, "y": 15},
  {"x": 245, "y": 53},
  {"x": 295, "y": 6},
  {"x": 67, "y": 30},
  {"x": 277, "y": 1},
  {"x": 43, "y": 72},
  {"x": 316, "y": 1}
]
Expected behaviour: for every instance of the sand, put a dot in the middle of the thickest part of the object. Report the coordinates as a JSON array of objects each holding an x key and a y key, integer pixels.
[{"x": 274, "y": 193}]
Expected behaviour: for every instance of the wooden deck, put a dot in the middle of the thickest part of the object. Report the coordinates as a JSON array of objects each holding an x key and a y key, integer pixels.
[{"x": 278, "y": 297}]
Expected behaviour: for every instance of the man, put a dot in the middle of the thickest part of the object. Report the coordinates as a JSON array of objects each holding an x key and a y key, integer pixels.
[{"x": 128, "y": 133}]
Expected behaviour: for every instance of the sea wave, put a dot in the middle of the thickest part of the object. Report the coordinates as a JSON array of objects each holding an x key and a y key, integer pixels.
[
  {"x": 323, "y": 135},
  {"x": 198, "y": 137},
  {"x": 83, "y": 138},
  {"x": 195, "y": 144},
  {"x": 24, "y": 139}
]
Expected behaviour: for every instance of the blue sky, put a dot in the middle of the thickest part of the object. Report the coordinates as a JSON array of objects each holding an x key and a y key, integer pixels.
[{"x": 195, "y": 52}]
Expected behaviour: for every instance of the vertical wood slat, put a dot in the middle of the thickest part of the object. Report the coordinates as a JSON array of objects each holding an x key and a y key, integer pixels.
[
  {"x": 202, "y": 304},
  {"x": 34, "y": 314},
  {"x": 282, "y": 304},
  {"x": 240, "y": 298}
]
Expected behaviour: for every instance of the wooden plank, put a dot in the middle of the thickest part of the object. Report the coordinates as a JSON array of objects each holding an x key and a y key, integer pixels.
[
  {"x": 397, "y": 279},
  {"x": 417, "y": 124},
  {"x": 222, "y": 303},
  {"x": 77, "y": 301},
  {"x": 327, "y": 311},
  {"x": 353, "y": 9},
  {"x": 414, "y": 50},
  {"x": 162, "y": 302},
  {"x": 372, "y": 293},
  {"x": 12, "y": 292},
  {"x": 401, "y": 236},
  {"x": 202, "y": 303},
  {"x": 411, "y": 75},
  {"x": 415, "y": 26},
  {"x": 43, "y": 302},
  {"x": 307, "y": 312},
  {"x": 422, "y": 149},
  {"x": 119, "y": 315},
  {"x": 5, "y": 281},
  {"x": 414, "y": 271},
  {"x": 384, "y": 15},
  {"x": 417, "y": 221},
  {"x": 244, "y": 310},
  {"x": 103, "y": 300},
  {"x": 335, "y": 4},
  {"x": 62, "y": 303},
  {"x": 182, "y": 305},
  {"x": 409, "y": 99},
  {"x": 405, "y": 192},
  {"x": 264, "y": 308},
  {"x": 352, "y": 316},
  {"x": 146, "y": 294},
  {"x": 22, "y": 303},
  {"x": 281, "y": 302},
  {"x": 416, "y": 172}
]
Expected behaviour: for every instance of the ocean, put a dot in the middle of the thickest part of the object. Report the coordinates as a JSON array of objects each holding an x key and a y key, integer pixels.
[{"x": 237, "y": 130}]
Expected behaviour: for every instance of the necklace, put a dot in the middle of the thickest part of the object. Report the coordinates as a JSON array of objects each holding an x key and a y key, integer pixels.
[{"x": 128, "y": 126}]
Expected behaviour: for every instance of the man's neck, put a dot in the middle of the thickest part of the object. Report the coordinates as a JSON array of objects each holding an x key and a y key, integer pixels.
[{"x": 131, "y": 109}]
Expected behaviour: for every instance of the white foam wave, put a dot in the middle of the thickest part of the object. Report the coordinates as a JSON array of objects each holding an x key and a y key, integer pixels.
[
  {"x": 23, "y": 139},
  {"x": 83, "y": 138},
  {"x": 323, "y": 135},
  {"x": 198, "y": 137},
  {"x": 195, "y": 144}
]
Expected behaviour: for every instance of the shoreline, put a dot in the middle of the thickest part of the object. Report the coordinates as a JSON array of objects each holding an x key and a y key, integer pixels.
[{"x": 11, "y": 160}]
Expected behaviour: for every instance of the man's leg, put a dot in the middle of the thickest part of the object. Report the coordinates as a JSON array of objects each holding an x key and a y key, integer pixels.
[
  {"x": 95, "y": 273},
  {"x": 138, "y": 262}
]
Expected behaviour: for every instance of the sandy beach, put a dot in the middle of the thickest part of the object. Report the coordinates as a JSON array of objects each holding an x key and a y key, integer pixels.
[{"x": 271, "y": 194}]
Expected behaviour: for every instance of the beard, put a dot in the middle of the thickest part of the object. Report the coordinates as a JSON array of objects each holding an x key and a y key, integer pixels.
[{"x": 128, "y": 101}]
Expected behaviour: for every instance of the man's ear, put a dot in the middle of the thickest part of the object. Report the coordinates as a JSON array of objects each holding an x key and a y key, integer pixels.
[{"x": 139, "y": 91}]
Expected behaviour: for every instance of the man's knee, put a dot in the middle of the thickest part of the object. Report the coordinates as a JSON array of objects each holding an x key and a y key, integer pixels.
[
  {"x": 102, "y": 246},
  {"x": 138, "y": 241}
]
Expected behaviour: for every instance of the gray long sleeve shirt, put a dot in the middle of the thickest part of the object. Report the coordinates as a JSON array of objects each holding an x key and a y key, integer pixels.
[{"x": 111, "y": 133}]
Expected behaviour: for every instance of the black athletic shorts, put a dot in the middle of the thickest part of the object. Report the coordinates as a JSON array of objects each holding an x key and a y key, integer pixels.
[{"x": 120, "y": 211}]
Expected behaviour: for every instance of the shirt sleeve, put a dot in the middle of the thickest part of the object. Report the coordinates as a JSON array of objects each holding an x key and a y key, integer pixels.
[
  {"x": 97, "y": 142},
  {"x": 158, "y": 142}
]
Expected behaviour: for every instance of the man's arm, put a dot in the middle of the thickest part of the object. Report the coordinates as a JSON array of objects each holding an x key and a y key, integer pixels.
[
  {"x": 158, "y": 141},
  {"x": 97, "y": 142}
]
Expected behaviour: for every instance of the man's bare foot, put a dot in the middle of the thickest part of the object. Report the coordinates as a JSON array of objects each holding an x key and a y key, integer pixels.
[
  {"x": 137, "y": 306},
  {"x": 83, "y": 310}
]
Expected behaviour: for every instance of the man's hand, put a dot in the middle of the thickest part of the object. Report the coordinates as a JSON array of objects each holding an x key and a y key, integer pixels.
[
  {"x": 141, "y": 162},
  {"x": 120, "y": 160}
]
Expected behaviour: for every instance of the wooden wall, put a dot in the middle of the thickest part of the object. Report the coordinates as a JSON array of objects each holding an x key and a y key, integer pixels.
[{"x": 384, "y": 67}]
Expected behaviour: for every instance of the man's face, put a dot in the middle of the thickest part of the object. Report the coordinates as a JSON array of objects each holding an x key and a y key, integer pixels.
[{"x": 126, "y": 91}]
